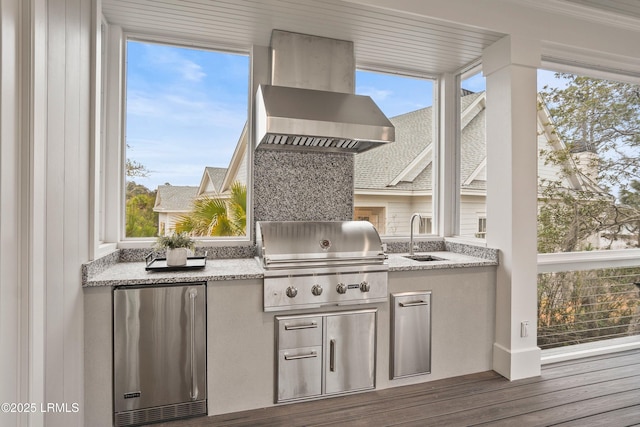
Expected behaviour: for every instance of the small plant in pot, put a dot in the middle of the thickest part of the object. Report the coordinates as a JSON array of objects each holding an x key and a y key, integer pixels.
[{"x": 177, "y": 246}]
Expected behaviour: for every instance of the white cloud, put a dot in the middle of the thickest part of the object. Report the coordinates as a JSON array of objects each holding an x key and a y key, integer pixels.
[
  {"x": 191, "y": 71},
  {"x": 170, "y": 59},
  {"x": 377, "y": 94}
]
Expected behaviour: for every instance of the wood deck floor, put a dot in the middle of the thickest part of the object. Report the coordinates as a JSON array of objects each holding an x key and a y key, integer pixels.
[{"x": 596, "y": 391}]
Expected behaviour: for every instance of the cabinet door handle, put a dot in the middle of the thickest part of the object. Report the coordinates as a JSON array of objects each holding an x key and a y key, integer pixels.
[
  {"x": 413, "y": 304},
  {"x": 311, "y": 325},
  {"x": 301, "y": 356},
  {"x": 332, "y": 355}
]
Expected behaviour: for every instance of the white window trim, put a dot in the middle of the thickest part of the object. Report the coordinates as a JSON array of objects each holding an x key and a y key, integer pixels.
[{"x": 114, "y": 211}]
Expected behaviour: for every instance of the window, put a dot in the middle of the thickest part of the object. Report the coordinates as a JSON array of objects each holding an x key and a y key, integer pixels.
[
  {"x": 588, "y": 167},
  {"x": 473, "y": 154},
  {"x": 397, "y": 176},
  {"x": 425, "y": 225},
  {"x": 482, "y": 227},
  {"x": 185, "y": 141},
  {"x": 375, "y": 215}
]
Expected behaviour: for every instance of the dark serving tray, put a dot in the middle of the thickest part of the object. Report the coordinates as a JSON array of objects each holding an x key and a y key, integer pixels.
[{"x": 160, "y": 264}]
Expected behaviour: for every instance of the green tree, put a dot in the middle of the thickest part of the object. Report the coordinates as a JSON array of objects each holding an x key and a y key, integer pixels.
[
  {"x": 602, "y": 117},
  {"x": 217, "y": 216},
  {"x": 140, "y": 219},
  {"x": 599, "y": 122}
]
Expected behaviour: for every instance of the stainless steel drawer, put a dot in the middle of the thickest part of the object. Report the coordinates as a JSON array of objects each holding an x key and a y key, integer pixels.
[
  {"x": 299, "y": 331},
  {"x": 299, "y": 373}
]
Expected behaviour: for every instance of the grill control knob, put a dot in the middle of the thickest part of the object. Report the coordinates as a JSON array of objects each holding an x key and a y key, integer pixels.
[
  {"x": 341, "y": 288},
  {"x": 316, "y": 290},
  {"x": 365, "y": 286},
  {"x": 291, "y": 291}
]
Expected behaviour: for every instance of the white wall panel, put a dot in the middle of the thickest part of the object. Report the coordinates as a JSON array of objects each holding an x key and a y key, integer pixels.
[{"x": 11, "y": 348}]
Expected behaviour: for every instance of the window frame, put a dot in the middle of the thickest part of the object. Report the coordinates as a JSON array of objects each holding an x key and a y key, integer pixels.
[
  {"x": 114, "y": 144},
  {"x": 586, "y": 260},
  {"x": 436, "y": 141},
  {"x": 470, "y": 70}
]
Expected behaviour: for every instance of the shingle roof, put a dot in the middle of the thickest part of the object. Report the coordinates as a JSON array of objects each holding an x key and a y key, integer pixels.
[
  {"x": 174, "y": 198},
  {"x": 375, "y": 169},
  {"x": 378, "y": 168},
  {"x": 216, "y": 176}
]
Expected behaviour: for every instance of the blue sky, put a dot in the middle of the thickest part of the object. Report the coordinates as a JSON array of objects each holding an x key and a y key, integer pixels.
[
  {"x": 186, "y": 107},
  {"x": 185, "y": 110}
]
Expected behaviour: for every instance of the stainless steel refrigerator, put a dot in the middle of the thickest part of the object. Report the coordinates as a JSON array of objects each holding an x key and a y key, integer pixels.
[{"x": 159, "y": 353}]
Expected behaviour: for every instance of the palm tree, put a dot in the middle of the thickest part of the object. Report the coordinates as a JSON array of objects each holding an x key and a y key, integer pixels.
[{"x": 216, "y": 216}]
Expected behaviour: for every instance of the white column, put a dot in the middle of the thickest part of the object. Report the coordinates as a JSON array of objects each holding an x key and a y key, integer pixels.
[{"x": 510, "y": 66}]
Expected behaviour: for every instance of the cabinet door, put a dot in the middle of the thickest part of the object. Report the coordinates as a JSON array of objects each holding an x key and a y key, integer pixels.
[
  {"x": 350, "y": 344},
  {"x": 410, "y": 334}
]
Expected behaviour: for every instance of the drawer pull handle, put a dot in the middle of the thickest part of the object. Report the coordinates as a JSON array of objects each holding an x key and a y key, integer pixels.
[
  {"x": 413, "y": 304},
  {"x": 301, "y": 356},
  {"x": 312, "y": 325}
]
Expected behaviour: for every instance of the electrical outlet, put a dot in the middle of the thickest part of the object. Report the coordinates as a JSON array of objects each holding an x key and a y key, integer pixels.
[{"x": 524, "y": 328}]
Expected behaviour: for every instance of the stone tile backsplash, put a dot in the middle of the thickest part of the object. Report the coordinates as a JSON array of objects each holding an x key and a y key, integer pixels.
[{"x": 303, "y": 186}]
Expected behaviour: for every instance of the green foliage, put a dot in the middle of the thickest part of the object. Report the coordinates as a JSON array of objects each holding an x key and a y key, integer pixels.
[
  {"x": 140, "y": 219},
  {"x": 217, "y": 216},
  {"x": 598, "y": 120},
  {"x": 599, "y": 116},
  {"x": 174, "y": 241}
]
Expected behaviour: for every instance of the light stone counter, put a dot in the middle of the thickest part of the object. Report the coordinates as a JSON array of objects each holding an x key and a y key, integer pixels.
[{"x": 130, "y": 273}]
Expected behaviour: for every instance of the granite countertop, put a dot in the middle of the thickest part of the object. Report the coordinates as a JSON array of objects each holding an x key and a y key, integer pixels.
[{"x": 130, "y": 273}]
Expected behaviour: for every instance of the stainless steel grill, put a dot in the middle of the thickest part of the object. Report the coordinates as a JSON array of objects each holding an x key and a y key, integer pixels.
[{"x": 315, "y": 264}]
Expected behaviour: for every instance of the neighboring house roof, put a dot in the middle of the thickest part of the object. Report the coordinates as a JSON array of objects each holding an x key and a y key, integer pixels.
[
  {"x": 406, "y": 164},
  {"x": 211, "y": 182},
  {"x": 174, "y": 198},
  {"x": 215, "y": 182},
  {"x": 377, "y": 169}
]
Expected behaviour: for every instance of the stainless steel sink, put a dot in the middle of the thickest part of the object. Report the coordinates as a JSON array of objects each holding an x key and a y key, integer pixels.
[{"x": 424, "y": 258}]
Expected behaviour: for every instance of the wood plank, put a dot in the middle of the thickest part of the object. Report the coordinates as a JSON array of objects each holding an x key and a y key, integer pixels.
[
  {"x": 579, "y": 411},
  {"x": 550, "y": 401},
  {"x": 622, "y": 417},
  {"x": 601, "y": 390}
]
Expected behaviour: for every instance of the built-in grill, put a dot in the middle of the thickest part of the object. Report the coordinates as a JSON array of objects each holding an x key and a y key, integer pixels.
[{"x": 315, "y": 264}]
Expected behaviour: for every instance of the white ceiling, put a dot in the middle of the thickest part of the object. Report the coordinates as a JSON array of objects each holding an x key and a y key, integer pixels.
[
  {"x": 627, "y": 8},
  {"x": 383, "y": 40}
]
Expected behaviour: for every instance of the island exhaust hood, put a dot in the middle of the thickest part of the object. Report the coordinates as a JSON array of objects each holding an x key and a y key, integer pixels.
[{"x": 310, "y": 104}]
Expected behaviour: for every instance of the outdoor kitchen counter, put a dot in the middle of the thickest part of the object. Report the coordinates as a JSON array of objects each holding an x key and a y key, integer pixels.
[{"x": 134, "y": 273}]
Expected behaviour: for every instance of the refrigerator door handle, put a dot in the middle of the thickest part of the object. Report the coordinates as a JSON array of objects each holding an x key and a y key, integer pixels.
[{"x": 193, "y": 293}]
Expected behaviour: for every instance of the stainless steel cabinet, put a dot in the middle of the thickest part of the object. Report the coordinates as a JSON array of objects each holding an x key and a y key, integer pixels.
[
  {"x": 325, "y": 354},
  {"x": 410, "y": 334}
]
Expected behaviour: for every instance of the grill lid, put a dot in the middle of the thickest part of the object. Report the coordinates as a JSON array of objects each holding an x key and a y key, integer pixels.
[{"x": 286, "y": 244}]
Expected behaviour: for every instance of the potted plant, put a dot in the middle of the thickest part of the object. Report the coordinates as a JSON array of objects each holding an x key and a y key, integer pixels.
[{"x": 177, "y": 246}]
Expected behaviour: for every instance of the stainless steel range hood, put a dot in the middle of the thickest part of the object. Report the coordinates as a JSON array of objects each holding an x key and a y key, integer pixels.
[
  {"x": 310, "y": 104},
  {"x": 290, "y": 118}
]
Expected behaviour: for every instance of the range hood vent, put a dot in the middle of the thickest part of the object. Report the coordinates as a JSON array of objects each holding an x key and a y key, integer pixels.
[
  {"x": 310, "y": 104},
  {"x": 295, "y": 118}
]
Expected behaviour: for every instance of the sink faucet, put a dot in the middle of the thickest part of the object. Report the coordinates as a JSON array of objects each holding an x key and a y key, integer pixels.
[{"x": 411, "y": 247}]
